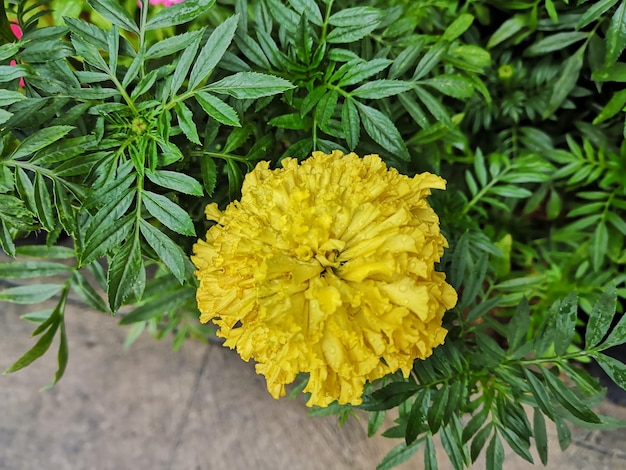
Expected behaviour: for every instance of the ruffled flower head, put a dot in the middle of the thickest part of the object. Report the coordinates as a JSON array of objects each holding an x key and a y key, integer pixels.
[{"x": 326, "y": 267}]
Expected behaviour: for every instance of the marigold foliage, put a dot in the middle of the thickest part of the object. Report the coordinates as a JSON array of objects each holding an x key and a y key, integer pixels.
[{"x": 326, "y": 267}]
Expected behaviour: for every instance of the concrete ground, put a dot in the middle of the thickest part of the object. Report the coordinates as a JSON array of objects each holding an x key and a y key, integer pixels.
[{"x": 200, "y": 408}]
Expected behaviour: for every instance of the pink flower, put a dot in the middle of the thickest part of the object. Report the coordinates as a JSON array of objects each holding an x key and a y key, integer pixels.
[{"x": 18, "y": 34}]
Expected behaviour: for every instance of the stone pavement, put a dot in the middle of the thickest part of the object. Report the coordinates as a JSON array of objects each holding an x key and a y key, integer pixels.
[{"x": 149, "y": 408}]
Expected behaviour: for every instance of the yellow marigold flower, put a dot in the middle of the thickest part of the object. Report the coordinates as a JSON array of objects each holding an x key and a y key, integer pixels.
[{"x": 326, "y": 267}]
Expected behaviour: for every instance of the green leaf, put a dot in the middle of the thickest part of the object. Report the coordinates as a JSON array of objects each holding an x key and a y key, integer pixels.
[
  {"x": 31, "y": 269},
  {"x": 168, "y": 251},
  {"x": 430, "y": 454},
  {"x": 109, "y": 237},
  {"x": 350, "y": 123},
  {"x": 405, "y": 59},
  {"x": 495, "y": 454},
  {"x": 430, "y": 60},
  {"x": 383, "y": 131},
  {"x": 389, "y": 396},
  {"x": 517, "y": 328},
  {"x": 185, "y": 121},
  {"x": 179, "y": 13},
  {"x": 8, "y": 97},
  {"x": 184, "y": 63},
  {"x": 399, "y": 454},
  {"x": 177, "y": 181},
  {"x": 171, "y": 45},
  {"x": 616, "y": 36},
  {"x": 124, "y": 271},
  {"x": 507, "y": 30},
  {"x": 600, "y": 318},
  {"x": 541, "y": 435},
  {"x": 11, "y": 72},
  {"x": 563, "y": 433},
  {"x": 458, "y": 27},
  {"x": 43, "y": 202},
  {"x": 356, "y": 73},
  {"x": 479, "y": 442},
  {"x": 30, "y": 294},
  {"x": 594, "y": 11},
  {"x": 554, "y": 42},
  {"x": 86, "y": 292},
  {"x": 352, "y": 24},
  {"x": 435, "y": 412},
  {"x": 115, "y": 13},
  {"x": 614, "y": 106},
  {"x": 378, "y": 89},
  {"x": 209, "y": 174},
  {"x": 161, "y": 305},
  {"x": 433, "y": 105},
  {"x": 326, "y": 108},
  {"x": 454, "y": 85},
  {"x": 290, "y": 121},
  {"x": 36, "y": 351},
  {"x": 249, "y": 85},
  {"x": 217, "y": 109},
  {"x": 566, "y": 81},
  {"x": 565, "y": 323},
  {"x": 568, "y": 400},
  {"x": 39, "y": 140},
  {"x": 212, "y": 51},
  {"x": 599, "y": 245},
  {"x": 168, "y": 213},
  {"x": 43, "y": 251},
  {"x": 614, "y": 368},
  {"x": 374, "y": 422},
  {"x": 452, "y": 447},
  {"x": 538, "y": 389}
]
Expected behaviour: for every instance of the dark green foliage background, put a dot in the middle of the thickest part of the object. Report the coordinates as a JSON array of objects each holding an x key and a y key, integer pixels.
[{"x": 132, "y": 120}]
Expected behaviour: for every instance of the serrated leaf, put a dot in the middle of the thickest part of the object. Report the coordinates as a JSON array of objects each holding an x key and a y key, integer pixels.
[
  {"x": 209, "y": 174},
  {"x": 172, "y": 45},
  {"x": 566, "y": 81},
  {"x": 62, "y": 356},
  {"x": 614, "y": 106},
  {"x": 217, "y": 109},
  {"x": 31, "y": 269},
  {"x": 8, "y": 97},
  {"x": 495, "y": 454},
  {"x": 161, "y": 305},
  {"x": 124, "y": 271},
  {"x": 43, "y": 251},
  {"x": 554, "y": 42},
  {"x": 86, "y": 292},
  {"x": 356, "y": 73},
  {"x": 290, "y": 121},
  {"x": 430, "y": 60},
  {"x": 569, "y": 400},
  {"x": 106, "y": 239},
  {"x": 43, "y": 202},
  {"x": 538, "y": 389},
  {"x": 179, "y": 13},
  {"x": 433, "y": 105},
  {"x": 540, "y": 435},
  {"x": 399, "y": 454},
  {"x": 39, "y": 140},
  {"x": 565, "y": 323},
  {"x": 614, "y": 368},
  {"x": 383, "y": 131},
  {"x": 454, "y": 85},
  {"x": 168, "y": 251},
  {"x": 389, "y": 396},
  {"x": 115, "y": 13},
  {"x": 479, "y": 442},
  {"x": 616, "y": 36},
  {"x": 177, "y": 181},
  {"x": 518, "y": 325},
  {"x": 600, "y": 319},
  {"x": 249, "y": 85},
  {"x": 30, "y": 294},
  {"x": 185, "y": 121},
  {"x": 452, "y": 448},
  {"x": 325, "y": 108},
  {"x": 474, "y": 424},
  {"x": 350, "y": 123},
  {"x": 458, "y": 27},
  {"x": 378, "y": 89},
  {"x": 168, "y": 213},
  {"x": 38, "y": 350},
  {"x": 430, "y": 454},
  {"x": 374, "y": 422},
  {"x": 212, "y": 51},
  {"x": 508, "y": 29},
  {"x": 599, "y": 245},
  {"x": 184, "y": 64}
]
